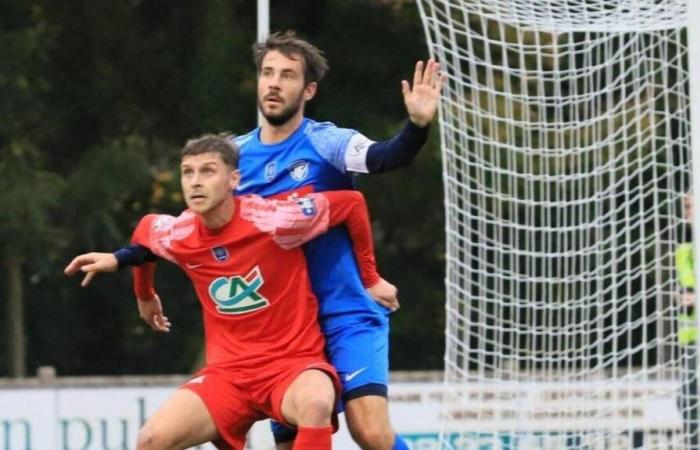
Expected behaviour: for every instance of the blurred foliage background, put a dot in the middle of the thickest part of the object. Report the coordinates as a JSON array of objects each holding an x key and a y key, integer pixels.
[{"x": 97, "y": 99}]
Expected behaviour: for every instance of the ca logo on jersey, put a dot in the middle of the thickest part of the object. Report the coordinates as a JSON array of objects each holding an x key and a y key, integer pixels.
[
  {"x": 238, "y": 295},
  {"x": 299, "y": 170}
]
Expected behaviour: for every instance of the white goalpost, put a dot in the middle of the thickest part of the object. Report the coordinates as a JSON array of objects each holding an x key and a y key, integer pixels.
[{"x": 565, "y": 128}]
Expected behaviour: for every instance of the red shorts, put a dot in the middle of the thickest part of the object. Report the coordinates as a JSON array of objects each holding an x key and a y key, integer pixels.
[{"x": 236, "y": 399}]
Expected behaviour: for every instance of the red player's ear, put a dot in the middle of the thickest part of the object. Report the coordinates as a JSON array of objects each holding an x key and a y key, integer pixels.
[{"x": 235, "y": 179}]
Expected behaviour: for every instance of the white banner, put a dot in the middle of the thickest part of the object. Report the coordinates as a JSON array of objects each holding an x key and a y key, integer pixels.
[{"x": 516, "y": 416}]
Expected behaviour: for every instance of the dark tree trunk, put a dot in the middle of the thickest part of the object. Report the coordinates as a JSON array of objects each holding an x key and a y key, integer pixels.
[{"x": 15, "y": 317}]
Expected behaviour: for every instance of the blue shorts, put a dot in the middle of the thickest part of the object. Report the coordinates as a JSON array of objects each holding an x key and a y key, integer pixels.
[{"x": 360, "y": 354}]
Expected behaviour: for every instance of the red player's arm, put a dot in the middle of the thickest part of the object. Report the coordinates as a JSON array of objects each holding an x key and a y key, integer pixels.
[
  {"x": 143, "y": 275},
  {"x": 298, "y": 221},
  {"x": 350, "y": 208}
]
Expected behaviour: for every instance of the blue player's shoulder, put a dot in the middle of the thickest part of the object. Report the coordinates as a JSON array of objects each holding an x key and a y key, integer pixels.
[
  {"x": 243, "y": 139},
  {"x": 326, "y": 130},
  {"x": 311, "y": 127},
  {"x": 329, "y": 141}
]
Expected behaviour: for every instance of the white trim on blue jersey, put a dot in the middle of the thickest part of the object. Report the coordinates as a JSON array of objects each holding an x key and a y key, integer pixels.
[{"x": 356, "y": 153}]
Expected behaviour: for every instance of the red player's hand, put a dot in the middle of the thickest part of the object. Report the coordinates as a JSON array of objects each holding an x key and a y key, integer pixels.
[
  {"x": 92, "y": 264},
  {"x": 385, "y": 294},
  {"x": 151, "y": 311}
]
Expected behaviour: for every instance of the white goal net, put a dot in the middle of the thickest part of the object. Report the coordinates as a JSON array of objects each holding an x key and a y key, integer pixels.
[{"x": 566, "y": 144}]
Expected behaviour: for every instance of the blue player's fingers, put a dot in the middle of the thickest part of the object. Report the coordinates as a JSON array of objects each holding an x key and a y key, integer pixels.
[
  {"x": 428, "y": 73},
  {"x": 418, "y": 74},
  {"x": 405, "y": 88}
]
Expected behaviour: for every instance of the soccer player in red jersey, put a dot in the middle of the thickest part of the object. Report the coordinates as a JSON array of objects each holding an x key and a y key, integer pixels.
[{"x": 264, "y": 346}]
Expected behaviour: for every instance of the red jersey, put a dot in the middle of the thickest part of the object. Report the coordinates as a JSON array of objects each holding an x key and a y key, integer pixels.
[{"x": 251, "y": 276}]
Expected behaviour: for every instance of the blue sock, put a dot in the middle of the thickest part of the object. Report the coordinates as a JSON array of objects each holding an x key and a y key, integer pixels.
[{"x": 399, "y": 444}]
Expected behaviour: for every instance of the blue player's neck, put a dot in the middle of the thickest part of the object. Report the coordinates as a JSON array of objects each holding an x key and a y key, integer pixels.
[{"x": 274, "y": 134}]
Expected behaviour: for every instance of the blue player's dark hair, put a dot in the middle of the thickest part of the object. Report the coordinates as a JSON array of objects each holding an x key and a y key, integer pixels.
[
  {"x": 292, "y": 46},
  {"x": 221, "y": 143}
]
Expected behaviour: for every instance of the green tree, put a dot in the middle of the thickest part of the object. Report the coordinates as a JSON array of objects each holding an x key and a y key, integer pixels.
[
  {"x": 29, "y": 196},
  {"x": 97, "y": 99},
  {"x": 28, "y": 191}
]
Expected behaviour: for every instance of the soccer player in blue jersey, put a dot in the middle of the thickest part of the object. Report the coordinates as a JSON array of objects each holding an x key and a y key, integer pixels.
[{"x": 290, "y": 152}]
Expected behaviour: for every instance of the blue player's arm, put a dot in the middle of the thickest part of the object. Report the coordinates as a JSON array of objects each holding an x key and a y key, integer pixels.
[
  {"x": 421, "y": 100},
  {"x": 134, "y": 255},
  {"x": 399, "y": 151},
  {"x": 350, "y": 151}
]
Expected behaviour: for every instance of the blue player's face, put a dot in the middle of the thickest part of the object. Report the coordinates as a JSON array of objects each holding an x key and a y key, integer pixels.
[
  {"x": 281, "y": 89},
  {"x": 207, "y": 182}
]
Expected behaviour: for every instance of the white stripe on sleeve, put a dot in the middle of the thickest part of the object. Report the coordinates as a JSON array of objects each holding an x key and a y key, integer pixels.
[{"x": 356, "y": 153}]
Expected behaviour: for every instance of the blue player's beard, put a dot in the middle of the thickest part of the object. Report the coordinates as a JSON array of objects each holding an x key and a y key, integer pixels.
[{"x": 285, "y": 114}]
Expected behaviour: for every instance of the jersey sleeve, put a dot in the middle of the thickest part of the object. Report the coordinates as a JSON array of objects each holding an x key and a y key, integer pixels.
[
  {"x": 152, "y": 233},
  {"x": 399, "y": 151},
  {"x": 293, "y": 222},
  {"x": 344, "y": 148},
  {"x": 157, "y": 231},
  {"x": 143, "y": 279},
  {"x": 349, "y": 208}
]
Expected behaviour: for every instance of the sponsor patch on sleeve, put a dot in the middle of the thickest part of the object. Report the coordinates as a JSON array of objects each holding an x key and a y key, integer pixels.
[{"x": 356, "y": 153}]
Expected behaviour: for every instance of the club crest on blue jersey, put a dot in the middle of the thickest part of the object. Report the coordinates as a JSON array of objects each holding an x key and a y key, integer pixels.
[
  {"x": 220, "y": 253},
  {"x": 307, "y": 206},
  {"x": 299, "y": 170},
  {"x": 270, "y": 171}
]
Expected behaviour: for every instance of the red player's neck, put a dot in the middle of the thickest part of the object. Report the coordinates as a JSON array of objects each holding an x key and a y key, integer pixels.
[
  {"x": 220, "y": 216},
  {"x": 274, "y": 134}
]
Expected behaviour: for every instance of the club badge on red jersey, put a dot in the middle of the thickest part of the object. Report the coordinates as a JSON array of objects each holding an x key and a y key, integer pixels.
[
  {"x": 307, "y": 205},
  {"x": 220, "y": 253}
]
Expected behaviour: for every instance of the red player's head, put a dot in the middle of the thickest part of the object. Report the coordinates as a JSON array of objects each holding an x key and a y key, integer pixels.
[{"x": 209, "y": 172}]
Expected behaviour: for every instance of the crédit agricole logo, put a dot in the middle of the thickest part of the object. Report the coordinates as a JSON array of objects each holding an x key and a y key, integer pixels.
[{"x": 238, "y": 295}]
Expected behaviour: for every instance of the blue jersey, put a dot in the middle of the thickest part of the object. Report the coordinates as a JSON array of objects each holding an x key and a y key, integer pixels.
[{"x": 318, "y": 157}]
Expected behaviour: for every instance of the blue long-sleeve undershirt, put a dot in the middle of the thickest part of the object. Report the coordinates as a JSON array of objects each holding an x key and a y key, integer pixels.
[
  {"x": 133, "y": 255},
  {"x": 398, "y": 151}
]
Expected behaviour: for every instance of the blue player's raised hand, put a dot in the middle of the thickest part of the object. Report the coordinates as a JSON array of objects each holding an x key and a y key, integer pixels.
[{"x": 421, "y": 99}]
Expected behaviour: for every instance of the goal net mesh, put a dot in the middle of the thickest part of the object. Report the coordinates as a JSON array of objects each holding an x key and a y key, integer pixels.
[{"x": 566, "y": 146}]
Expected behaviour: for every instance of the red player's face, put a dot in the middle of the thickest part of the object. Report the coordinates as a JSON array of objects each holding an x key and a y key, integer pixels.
[
  {"x": 207, "y": 182},
  {"x": 281, "y": 89}
]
